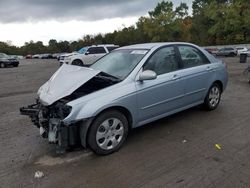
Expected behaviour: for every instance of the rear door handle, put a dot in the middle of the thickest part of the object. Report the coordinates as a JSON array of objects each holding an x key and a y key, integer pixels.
[
  {"x": 209, "y": 68},
  {"x": 176, "y": 77}
]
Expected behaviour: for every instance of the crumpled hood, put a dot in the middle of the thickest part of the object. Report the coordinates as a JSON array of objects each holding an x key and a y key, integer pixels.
[{"x": 64, "y": 81}]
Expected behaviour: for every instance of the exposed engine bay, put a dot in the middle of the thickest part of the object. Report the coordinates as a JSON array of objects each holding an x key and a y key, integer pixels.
[{"x": 49, "y": 118}]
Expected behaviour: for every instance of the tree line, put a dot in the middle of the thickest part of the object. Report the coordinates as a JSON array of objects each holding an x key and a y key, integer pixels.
[{"x": 213, "y": 22}]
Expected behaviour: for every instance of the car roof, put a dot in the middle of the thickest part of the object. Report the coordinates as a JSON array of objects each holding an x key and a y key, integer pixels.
[
  {"x": 149, "y": 46},
  {"x": 103, "y": 45}
]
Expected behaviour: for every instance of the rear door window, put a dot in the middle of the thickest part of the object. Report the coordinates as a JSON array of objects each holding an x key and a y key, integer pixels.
[
  {"x": 96, "y": 50},
  {"x": 192, "y": 57},
  {"x": 111, "y": 48}
]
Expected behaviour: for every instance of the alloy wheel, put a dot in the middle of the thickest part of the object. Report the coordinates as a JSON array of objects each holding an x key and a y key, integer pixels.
[
  {"x": 214, "y": 96},
  {"x": 110, "y": 133}
]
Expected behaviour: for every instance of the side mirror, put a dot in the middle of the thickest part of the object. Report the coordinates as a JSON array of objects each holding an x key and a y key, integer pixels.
[
  {"x": 147, "y": 75},
  {"x": 87, "y": 53}
]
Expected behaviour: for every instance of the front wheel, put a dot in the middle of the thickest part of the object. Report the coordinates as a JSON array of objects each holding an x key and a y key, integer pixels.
[
  {"x": 77, "y": 62},
  {"x": 108, "y": 132},
  {"x": 2, "y": 65},
  {"x": 212, "y": 99}
]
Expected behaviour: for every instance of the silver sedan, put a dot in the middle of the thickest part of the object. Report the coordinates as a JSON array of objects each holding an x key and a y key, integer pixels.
[{"x": 127, "y": 88}]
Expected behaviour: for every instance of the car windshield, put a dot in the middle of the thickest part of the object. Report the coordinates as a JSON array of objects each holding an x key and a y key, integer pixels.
[
  {"x": 82, "y": 50},
  {"x": 119, "y": 63},
  {"x": 2, "y": 55}
]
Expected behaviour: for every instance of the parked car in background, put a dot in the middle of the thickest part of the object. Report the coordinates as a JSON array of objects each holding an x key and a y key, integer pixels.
[
  {"x": 228, "y": 52},
  {"x": 212, "y": 50},
  {"x": 18, "y": 57},
  {"x": 56, "y": 55},
  {"x": 29, "y": 56},
  {"x": 36, "y": 56},
  {"x": 88, "y": 55},
  {"x": 13, "y": 56},
  {"x": 246, "y": 52},
  {"x": 63, "y": 57},
  {"x": 127, "y": 88},
  {"x": 241, "y": 50},
  {"x": 46, "y": 56},
  {"x": 6, "y": 61}
]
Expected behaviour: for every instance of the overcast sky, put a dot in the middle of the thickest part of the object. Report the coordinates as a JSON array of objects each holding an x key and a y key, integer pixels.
[{"x": 25, "y": 20}]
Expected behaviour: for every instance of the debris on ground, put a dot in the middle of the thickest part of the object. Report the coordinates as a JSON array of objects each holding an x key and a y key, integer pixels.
[
  {"x": 39, "y": 174},
  {"x": 218, "y": 146},
  {"x": 184, "y": 141}
]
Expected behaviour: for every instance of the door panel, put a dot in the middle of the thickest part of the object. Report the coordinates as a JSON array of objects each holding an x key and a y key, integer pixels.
[
  {"x": 97, "y": 56},
  {"x": 165, "y": 93},
  {"x": 196, "y": 83},
  {"x": 159, "y": 96},
  {"x": 196, "y": 72},
  {"x": 88, "y": 59}
]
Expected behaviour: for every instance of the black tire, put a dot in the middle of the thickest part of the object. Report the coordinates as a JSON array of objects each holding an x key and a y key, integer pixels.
[
  {"x": 2, "y": 65},
  {"x": 212, "y": 103},
  {"x": 98, "y": 125},
  {"x": 15, "y": 65},
  {"x": 78, "y": 62}
]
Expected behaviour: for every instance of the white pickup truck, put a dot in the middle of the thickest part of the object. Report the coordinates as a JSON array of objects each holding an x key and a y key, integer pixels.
[{"x": 88, "y": 55}]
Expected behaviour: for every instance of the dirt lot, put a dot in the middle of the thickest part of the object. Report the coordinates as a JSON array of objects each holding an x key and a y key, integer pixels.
[{"x": 177, "y": 151}]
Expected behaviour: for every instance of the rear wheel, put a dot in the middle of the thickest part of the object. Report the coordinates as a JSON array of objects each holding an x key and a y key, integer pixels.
[
  {"x": 212, "y": 99},
  {"x": 108, "y": 132},
  {"x": 77, "y": 62}
]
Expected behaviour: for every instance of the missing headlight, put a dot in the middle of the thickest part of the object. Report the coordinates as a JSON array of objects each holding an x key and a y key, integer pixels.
[{"x": 60, "y": 110}]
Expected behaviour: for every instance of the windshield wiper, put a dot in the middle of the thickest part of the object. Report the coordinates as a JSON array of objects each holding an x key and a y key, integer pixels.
[{"x": 107, "y": 76}]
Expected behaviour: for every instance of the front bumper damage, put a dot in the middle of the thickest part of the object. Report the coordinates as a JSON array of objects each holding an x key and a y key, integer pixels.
[
  {"x": 51, "y": 112},
  {"x": 53, "y": 128}
]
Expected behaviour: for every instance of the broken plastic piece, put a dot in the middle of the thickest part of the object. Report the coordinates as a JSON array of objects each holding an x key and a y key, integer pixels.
[
  {"x": 41, "y": 130},
  {"x": 39, "y": 174}
]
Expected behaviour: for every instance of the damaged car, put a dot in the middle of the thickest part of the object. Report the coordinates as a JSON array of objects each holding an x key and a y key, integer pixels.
[{"x": 125, "y": 89}]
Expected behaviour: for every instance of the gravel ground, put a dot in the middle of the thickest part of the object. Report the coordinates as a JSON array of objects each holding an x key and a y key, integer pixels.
[{"x": 177, "y": 151}]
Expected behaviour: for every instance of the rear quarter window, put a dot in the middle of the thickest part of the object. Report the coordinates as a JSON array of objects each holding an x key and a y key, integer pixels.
[{"x": 192, "y": 57}]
